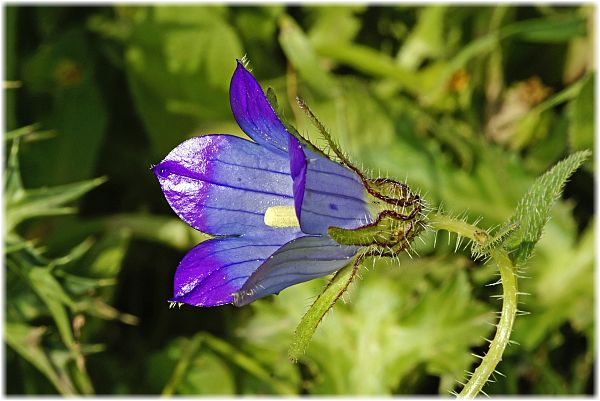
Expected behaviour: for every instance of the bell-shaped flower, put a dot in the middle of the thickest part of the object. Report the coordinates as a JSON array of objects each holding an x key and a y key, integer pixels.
[{"x": 270, "y": 203}]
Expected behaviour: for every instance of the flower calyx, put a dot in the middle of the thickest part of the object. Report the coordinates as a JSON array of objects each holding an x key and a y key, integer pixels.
[
  {"x": 399, "y": 220},
  {"x": 399, "y": 211}
]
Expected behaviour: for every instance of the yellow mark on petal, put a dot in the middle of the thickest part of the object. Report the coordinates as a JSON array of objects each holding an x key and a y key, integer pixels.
[{"x": 281, "y": 217}]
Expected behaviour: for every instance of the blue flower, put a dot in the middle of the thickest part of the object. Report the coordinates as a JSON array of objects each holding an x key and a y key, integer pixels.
[{"x": 271, "y": 203}]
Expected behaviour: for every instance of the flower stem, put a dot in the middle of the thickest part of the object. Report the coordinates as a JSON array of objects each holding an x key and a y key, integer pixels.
[{"x": 509, "y": 303}]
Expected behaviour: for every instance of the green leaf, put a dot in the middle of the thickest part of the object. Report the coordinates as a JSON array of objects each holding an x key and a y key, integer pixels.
[
  {"x": 106, "y": 257},
  {"x": 530, "y": 127},
  {"x": 338, "y": 24},
  {"x": 169, "y": 231},
  {"x": 13, "y": 184},
  {"x": 396, "y": 320},
  {"x": 433, "y": 80},
  {"x": 63, "y": 69},
  {"x": 533, "y": 210},
  {"x": 581, "y": 113},
  {"x": 45, "y": 201},
  {"x": 247, "y": 363},
  {"x": 298, "y": 49},
  {"x": 427, "y": 39},
  {"x": 548, "y": 30},
  {"x": 550, "y": 147},
  {"x": 187, "y": 367},
  {"x": 538, "y": 120},
  {"x": 29, "y": 133},
  {"x": 22, "y": 204},
  {"x": 98, "y": 308},
  {"x": 178, "y": 72},
  {"x": 425, "y": 330},
  {"x": 368, "y": 60},
  {"x": 26, "y": 340},
  {"x": 256, "y": 27},
  {"x": 207, "y": 375},
  {"x": 55, "y": 298}
]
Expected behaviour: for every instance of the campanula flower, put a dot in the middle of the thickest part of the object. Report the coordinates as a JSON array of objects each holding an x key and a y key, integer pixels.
[{"x": 283, "y": 212}]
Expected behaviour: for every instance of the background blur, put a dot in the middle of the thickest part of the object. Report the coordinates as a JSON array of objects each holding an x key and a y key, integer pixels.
[{"x": 469, "y": 104}]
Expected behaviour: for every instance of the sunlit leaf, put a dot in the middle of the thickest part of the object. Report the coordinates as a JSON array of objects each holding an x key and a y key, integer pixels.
[
  {"x": 533, "y": 210},
  {"x": 427, "y": 39},
  {"x": 298, "y": 49},
  {"x": 549, "y": 30},
  {"x": 338, "y": 24},
  {"x": 166, "y": 230},
  {"x": 179, "y": 73},
  {"x": 46, "y": 201},
  {"x": 581, "y": 114}
]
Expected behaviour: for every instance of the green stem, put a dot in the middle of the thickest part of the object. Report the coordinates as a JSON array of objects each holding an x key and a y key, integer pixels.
[
  {"x": 509, "y": 303},
  {"x": 181, "y": 369},
  {"x": 443, "y": 222},
  {"x": 249, "y": 364}
]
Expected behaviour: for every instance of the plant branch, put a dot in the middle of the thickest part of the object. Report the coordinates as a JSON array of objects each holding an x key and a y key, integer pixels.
[{"x": 509, "y": 304}]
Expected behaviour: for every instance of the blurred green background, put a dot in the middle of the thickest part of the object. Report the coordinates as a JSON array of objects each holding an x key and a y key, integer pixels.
[{"x": 469, "y": 104}]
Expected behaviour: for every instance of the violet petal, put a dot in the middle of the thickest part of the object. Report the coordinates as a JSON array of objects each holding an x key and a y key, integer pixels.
[
  {"x": 222, "y": 184},
  {"x": 298, "y": 171},
  {"x": 215, "y": 269},
  {"x": 253, "y": 112},
  {"x": 331, "y": 195},
  {"x": 299, "y": 260}
]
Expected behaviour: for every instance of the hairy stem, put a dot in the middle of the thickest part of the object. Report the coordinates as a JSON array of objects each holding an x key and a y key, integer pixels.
[
  {"x": 509, "y": 303},
  {"x": 334, "y": 290}
]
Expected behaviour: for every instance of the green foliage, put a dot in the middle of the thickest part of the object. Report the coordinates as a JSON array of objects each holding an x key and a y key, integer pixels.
[
  {"x": 63, "y": 70},
  {"x": 62, "y": 360},
  {"x": 533, "y": 210},
  {"x": 302, "y": 55},
  {"x": 174, "y": 89},
  {"x": 325, "y": 301},
  {"x": 581, "y": 115},
  {"x": 468, "y": 104},
  {"x": 397, "y": 322}
]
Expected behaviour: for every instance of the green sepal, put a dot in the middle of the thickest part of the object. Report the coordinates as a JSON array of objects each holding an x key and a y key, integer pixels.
[
  {"x": 382, "y": 232},
  {"x": 272, "y": 98},
  {"x": 324, "y": 302},
  {"x": 389, "y": 234},
  {"x": 325, "y": 133}
]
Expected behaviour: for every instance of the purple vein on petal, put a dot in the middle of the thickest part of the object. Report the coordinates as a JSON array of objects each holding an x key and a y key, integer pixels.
[
  {"x": 253, "y": 112},
  {"x": 297, "y": 261},
  {"x": 215, "y": 269},
  {"x": 223, "y": 185}
]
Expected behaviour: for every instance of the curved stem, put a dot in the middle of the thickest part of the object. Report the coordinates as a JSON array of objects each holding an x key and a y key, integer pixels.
[{"x": 509, "y": 303}]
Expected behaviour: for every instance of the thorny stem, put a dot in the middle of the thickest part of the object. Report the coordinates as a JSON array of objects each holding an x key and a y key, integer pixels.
[{"x": 509, "y": 303}]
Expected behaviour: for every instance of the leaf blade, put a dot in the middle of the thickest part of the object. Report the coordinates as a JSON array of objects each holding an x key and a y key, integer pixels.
[{"x": 533, "y": 210}]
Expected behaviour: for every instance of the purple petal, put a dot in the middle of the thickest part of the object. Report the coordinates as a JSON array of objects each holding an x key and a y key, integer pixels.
[
  {"x": 215, "y": 269},
  {"x": 298, "y": 171},
  {"x": 253, "y": 112},
  {"x": 326, "y": 193},
  {"x": 300, "y": 260},
  {"x": 222, "y": 185}
]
